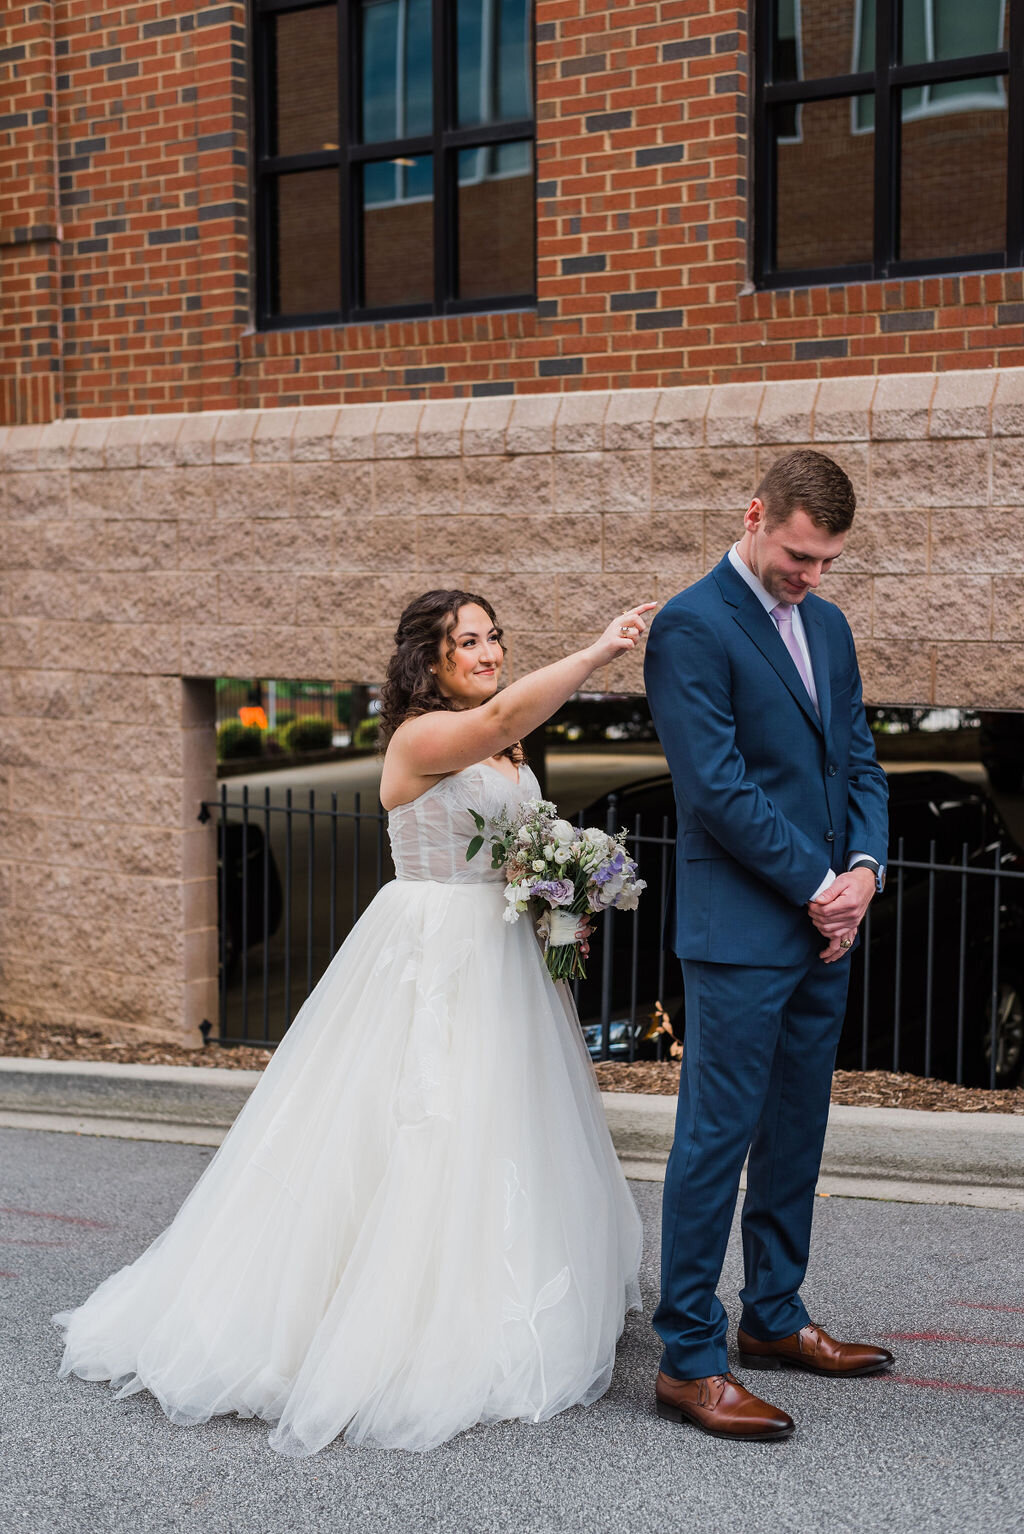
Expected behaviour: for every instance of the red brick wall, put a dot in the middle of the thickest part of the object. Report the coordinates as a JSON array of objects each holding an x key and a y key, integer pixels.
[
  {"x": 29, "y": 250},
  {"x": 151, "y": 130},
  {"x": 642, "y": 259}
]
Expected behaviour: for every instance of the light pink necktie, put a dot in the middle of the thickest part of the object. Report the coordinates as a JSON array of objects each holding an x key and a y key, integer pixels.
[{"x": 783, "y": 615}]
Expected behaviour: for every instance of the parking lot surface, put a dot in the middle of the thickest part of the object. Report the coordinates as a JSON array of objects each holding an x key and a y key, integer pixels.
[{"x": 936, "y": 1447}]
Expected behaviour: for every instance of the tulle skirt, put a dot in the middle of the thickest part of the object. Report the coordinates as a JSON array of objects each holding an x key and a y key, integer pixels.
[{"x": 417, "y": 1222}]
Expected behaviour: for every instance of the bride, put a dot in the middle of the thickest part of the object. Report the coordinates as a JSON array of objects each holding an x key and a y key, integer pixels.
[{"x": 417, "y": 1222}]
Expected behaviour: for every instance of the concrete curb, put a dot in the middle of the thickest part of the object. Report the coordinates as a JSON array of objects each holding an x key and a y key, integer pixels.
[{"x": 899, "y": 1153}]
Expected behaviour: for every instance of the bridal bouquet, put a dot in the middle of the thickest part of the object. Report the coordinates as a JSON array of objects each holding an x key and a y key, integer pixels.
[{"x": 574, "y": 872}]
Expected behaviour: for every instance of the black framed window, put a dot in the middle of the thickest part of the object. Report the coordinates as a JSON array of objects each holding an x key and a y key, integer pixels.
[
  {"x": 889, "y": 138},
  {"x": 394, "y": 158}
]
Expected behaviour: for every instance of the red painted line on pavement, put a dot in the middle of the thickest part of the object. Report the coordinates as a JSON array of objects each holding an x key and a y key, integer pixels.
[
  {"x": 989, "y": 1390},
  {"x": 1010, "y": 1310},
  {"x": 990, "y": 1342},
  {"x": 3, "y": 1274},
  {"x": 66, "y": 1219}
]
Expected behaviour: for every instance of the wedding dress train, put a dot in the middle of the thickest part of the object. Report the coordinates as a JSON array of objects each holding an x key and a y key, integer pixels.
[{"x": 417, "y": 1221}]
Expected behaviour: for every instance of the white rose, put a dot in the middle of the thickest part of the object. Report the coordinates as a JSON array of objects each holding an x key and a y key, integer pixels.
[
  {"x": 562, "y": 831},
  {"x": 525, "y": 836},
  {"x": 562, "y": 855},
  {"x": 537, "y": 865},
  {"x": 549, "y": 850}
]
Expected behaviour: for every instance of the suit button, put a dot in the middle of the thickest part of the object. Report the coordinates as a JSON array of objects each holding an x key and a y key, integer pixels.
[
  {"x": 830, "y": 836},
  {"x": 832, "y": 769}
]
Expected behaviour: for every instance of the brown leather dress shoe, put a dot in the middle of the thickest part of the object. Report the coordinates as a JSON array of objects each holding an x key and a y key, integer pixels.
[
  {"x": 719, "y": 1405},
  {"x": 814, "y": 1350}
]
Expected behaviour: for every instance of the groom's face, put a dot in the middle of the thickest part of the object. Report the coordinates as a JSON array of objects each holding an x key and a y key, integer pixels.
[{"x": 790, "y": 557}]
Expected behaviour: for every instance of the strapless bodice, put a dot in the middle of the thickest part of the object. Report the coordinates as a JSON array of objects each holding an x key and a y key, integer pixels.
[{"x": 429, "y": 836}]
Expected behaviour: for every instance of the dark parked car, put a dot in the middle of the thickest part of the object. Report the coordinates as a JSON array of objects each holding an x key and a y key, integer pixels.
[
  {"x": 1002, "y": 750},
  {"x": 251, "y": 892},
  {"x": 942, "y": 923}
]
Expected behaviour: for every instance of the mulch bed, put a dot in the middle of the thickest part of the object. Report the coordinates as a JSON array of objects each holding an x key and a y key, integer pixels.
[
  {"x": 860, "y": 1089},
  {"x": 864, "y": 1089}
]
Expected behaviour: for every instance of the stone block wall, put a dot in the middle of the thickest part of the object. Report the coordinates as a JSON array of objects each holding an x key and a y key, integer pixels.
[{"x": 141, "y": 557}]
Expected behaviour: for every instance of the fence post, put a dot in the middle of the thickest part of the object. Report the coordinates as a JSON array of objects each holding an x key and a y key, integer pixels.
[{"x": 606, "y": 950}]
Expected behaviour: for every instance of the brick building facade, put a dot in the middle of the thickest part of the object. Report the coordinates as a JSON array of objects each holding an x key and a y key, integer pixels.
[
  {"x": 125, "y": 180},
  {"x": 183, "y": 495}
]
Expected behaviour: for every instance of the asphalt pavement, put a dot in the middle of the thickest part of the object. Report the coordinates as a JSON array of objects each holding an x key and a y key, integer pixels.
[{"x": 935, "y": 1447}]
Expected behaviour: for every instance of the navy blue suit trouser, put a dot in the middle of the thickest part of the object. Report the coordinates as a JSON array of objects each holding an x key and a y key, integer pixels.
[{"x": 757, "y": 1073}]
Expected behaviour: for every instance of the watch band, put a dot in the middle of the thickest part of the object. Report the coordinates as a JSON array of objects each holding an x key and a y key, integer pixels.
[{"x": 878, "y": 869}]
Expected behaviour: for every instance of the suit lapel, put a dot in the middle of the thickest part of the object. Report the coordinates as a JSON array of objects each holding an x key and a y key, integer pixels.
[
  {"x": 817, "y": 643},
  {"x": 761, "y": 630}
]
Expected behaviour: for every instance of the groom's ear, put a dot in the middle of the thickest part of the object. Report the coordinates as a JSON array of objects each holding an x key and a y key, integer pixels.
[{"x": 755, "y": 516}]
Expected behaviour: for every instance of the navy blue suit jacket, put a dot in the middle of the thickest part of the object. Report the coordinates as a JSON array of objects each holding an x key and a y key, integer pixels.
[{"x": 768, "y": 795}]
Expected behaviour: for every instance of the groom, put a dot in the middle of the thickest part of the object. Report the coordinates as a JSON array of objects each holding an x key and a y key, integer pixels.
[{"x": 782, "y": 834}]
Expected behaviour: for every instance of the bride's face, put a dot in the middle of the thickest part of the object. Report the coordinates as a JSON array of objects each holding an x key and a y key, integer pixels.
[{"x": 470, "y": 675}]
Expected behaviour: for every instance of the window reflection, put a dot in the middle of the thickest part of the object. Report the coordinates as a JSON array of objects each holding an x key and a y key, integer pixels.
[
  {"x": 496, "y": 220},
  {"x": 816, "y": 39},
  {"x": 397, "y": 82},
  {"x": 305, "y": 219},
  {"x": 305, "y": 81},
  {"x": 952, "y": 29},
  {"x": 398, "y": 232},
  {"x": 825, "y": 191},
  {"x": 494, "y": 53},
  {"x": 941, "y": 29},
  {"x": 953, "y": 178}
]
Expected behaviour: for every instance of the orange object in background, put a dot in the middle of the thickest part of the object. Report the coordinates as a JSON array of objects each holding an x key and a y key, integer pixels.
[{"x": 253, "y": 716}]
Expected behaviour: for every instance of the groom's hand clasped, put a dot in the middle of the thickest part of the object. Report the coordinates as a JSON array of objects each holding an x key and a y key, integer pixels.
[{"x": 838, "y": 911}]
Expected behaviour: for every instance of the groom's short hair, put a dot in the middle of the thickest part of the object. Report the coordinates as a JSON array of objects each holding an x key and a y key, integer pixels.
[{"x": 808, "y": 481}]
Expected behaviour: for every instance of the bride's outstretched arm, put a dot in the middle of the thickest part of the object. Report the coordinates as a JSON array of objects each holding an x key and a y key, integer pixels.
[{"x": 447, "y": 741}]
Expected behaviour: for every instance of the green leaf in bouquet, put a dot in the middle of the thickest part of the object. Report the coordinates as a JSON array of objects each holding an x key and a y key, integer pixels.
[
  {"x": 474, "y": 847},
  {"x": 478, "y": 820}
]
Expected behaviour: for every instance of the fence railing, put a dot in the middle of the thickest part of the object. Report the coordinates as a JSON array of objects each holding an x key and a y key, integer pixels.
[{"x": 936, "y": 985}]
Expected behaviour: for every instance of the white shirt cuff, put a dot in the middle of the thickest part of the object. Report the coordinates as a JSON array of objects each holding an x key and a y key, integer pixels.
[{"x": 826, "y": 883}]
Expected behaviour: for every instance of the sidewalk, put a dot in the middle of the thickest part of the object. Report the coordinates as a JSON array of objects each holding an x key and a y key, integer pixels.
[{"x": 889, "y": 1153}]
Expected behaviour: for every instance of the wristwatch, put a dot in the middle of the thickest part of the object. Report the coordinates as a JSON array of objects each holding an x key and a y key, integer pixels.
[{"x": 878, "y": 869}]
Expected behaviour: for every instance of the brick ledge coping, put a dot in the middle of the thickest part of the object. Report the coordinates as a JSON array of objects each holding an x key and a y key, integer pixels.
[{"x": 888, "y": 407}]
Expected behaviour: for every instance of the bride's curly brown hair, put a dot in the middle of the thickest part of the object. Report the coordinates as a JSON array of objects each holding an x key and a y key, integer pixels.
[{"x": 425, "y": 629}]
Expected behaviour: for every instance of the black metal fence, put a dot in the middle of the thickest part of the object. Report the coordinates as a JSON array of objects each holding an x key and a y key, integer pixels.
[{"x": 936, "y": 985}]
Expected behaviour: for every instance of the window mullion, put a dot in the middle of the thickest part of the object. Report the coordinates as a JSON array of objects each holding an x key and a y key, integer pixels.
[
  {"x": 349, "y": 106},
  {"x": 444, "y": 210},
  {"x": 1015, "y": 139},
  {"x": 764, "y": 173},
  {"x": 261, "y": 184},
  {"x": 886, "y": 140}
]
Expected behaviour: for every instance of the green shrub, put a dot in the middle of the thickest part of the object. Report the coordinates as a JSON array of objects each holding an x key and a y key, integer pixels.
[
  {"x": 366, "y": 734},
  {"x": 313, "y": 734},
  {"x": 235, "y": 739},
  {"x": 284, "y": 716}
]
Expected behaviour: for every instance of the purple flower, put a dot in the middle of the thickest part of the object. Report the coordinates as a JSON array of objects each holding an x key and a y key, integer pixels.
[
  {"x": 608, "y": 870},
  {"x": 557, "y": 892}
]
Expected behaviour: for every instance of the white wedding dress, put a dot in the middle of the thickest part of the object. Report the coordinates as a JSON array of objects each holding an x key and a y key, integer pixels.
[{"x": 417, "y": 1221}]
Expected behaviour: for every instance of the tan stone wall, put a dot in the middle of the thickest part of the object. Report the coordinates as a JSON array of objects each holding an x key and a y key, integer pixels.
[{"x": 139, "y": 552}]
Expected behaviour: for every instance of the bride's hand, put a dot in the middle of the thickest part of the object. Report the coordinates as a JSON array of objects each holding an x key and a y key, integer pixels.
[{"x": 622, "y": 634}]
